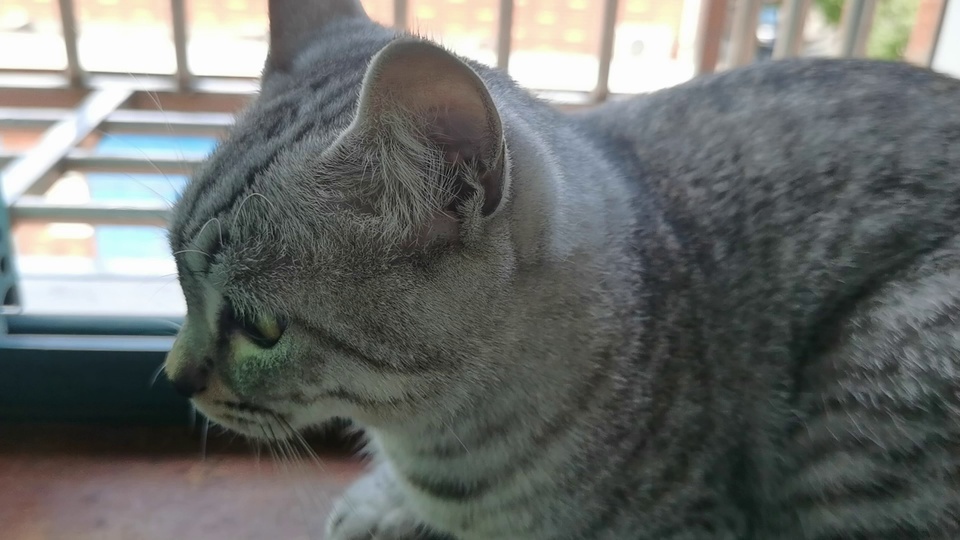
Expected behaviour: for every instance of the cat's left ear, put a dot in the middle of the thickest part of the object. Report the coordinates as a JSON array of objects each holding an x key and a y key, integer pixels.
[
  {"x": 442, "y": 101},
  {"x": 293, "y": 23}
]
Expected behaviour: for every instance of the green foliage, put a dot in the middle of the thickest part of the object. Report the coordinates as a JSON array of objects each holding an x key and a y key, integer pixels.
[
  {"x": 891, "y": 28},
  {"x": 831, "y": 9},
  {"x": 892, "y": 24}
]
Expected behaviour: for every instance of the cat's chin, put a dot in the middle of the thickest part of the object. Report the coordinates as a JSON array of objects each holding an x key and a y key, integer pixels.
[{"x": 251, "y": 421}]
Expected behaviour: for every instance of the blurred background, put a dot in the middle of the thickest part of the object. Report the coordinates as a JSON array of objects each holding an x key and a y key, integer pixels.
[
  {"x": 188, "y": 64},
  {"x": 105, "y": 108}
]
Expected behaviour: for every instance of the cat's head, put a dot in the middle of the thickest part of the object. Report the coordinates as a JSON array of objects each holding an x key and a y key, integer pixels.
[{"x": 347, "y": 250}]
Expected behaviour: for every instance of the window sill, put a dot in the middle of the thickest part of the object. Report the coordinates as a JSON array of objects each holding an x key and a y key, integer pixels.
[{"x": 87, "y": 369}]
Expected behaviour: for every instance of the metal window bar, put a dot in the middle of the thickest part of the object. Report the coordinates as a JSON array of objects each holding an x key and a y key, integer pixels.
[
  {"x": 607, "y": 35},
  {"x": 505, "y": 34},
  {"x": 401, "y": 14},
  {"x": 31, "y": 171},
  {"x": 855, "y": 27},
  {"x": 134, "y": 163},
  {"x": 178, "y": 17},
  {"x": 24, "y": 176},
  {"x": 128, "y": 121},
  {"x": 68, "y": 24},
  {"x": 793, "y": 18},
  {"x": 9, "y": 294},
  {"x": 35, "y": 209},
  {"x": 11, "y": 80},
  {"x": 743, "y": 39},
  {"x": 941, "y": 15},
  {"x": 713, "y": 15}
]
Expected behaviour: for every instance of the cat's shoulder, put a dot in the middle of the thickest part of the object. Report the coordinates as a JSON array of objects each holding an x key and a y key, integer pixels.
[
  {"x": 795, "y": 94},
  {"x": 808, "y": 77}
]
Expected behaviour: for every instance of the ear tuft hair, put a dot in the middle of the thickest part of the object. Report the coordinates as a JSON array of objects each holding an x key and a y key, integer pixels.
[{"x": 431, "y": 127}]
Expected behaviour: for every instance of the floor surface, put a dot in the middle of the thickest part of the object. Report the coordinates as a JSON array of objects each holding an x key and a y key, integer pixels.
[{"x": 85, "y": 483}]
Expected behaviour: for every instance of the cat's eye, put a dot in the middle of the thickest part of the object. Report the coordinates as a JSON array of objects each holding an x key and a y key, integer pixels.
[{"x": 263, "y": 330}]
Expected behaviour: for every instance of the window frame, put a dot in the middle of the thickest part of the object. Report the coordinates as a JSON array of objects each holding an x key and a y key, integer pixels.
[
  {"x": 87, "y": 369},
  {"x": 99, "y": 369}
]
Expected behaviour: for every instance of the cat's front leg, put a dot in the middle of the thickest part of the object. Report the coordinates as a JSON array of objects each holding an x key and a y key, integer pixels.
[{"x": 374, "y": 507}]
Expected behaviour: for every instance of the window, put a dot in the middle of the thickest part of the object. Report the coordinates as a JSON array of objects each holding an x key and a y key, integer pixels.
[{"x": 106, "y": 106}]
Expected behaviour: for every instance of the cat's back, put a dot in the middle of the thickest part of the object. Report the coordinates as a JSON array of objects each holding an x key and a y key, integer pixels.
[
  {"x": 804, "y": 116},
  {"x": 786, "y": 110},
  {"x": 817, "y": 202},
  {"x": 800, "y": 168}
]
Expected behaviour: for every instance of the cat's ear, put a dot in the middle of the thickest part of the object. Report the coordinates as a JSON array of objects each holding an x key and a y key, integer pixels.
[
  {"x": 435, "y": 97},
  {"x": 293, "y": 22}
]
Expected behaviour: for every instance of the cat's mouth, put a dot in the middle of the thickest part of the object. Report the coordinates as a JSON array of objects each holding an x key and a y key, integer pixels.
[
  {"x": 246, "y": 408},
  {"x": 249, "y": 419}
]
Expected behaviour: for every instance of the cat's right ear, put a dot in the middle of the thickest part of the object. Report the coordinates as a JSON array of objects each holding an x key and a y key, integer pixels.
[
  {"x": 294, "y": 22},
  {"x": 417, "y": 93}
]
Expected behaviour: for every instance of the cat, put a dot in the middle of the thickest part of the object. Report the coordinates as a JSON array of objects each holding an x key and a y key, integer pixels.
[{"x": 725, "y": 310}]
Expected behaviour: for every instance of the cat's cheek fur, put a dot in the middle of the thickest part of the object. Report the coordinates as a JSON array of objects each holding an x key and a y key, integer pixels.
[{"x": 254, "y": 371}]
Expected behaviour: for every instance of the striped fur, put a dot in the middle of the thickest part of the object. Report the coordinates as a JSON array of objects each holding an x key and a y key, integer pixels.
[{"x": 726, "y": 310}]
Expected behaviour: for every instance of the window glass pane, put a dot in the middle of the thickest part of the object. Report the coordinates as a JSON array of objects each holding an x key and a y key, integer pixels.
[
  {"x": 653, "y": 45},
  {"x": 380, "y": 11},
  {"x": 106, "y": 269},
  {"x": 227, "y": 37},
  {"x": 30, "y": 36},
  {"x": 469, "y": 27},
  {"x": 141, "y": 28},
  {"x": 555, "y": 44},
  {"x": 230, "y": 37},
  {"x": 99, "y": 248}
]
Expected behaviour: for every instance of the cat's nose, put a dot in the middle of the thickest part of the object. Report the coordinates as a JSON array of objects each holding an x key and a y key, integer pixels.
[{"x": 190, "y": 380}]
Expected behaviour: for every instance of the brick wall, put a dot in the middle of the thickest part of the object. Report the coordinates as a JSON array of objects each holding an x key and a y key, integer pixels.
[{"x": 924, "y": 31}]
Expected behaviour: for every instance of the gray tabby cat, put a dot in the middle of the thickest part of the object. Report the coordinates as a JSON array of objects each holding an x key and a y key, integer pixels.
[{"x": 726, "y": 310}]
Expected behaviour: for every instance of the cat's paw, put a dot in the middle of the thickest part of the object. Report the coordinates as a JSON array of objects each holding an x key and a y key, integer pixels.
[{"x": 373, "y": 508}]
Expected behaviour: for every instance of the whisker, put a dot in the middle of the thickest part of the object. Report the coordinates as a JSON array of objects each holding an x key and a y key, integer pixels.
[
  {"x": 286, "y": 462},
  {"x": 244, "y": 201},
  {"x": 310, "y": 452},
  {"x": 156, "y": 374},
  {"x": 233, "y": 436},
  {"x": 160, "y": 172},
  {"x": 150, "y": 162},
  {"x": 156, "y": 101},
  {"x": 204, "y": 430},
  {"x": 276, "y": 440},
  {"x": 298, "y": 437},
  {"x": 200, "y": 251},
  {"x": 200, "y": 232},
  {"x": 296, "y": 461},
  {"x": 269, "y": 443},
  {"x": 173, "y": 325},
  {"x": 192, "y": 417},
  {"x": 455, "y": 436},
  {"x": 159, "y": 289},
  {"x": 255, "y": 443}
]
